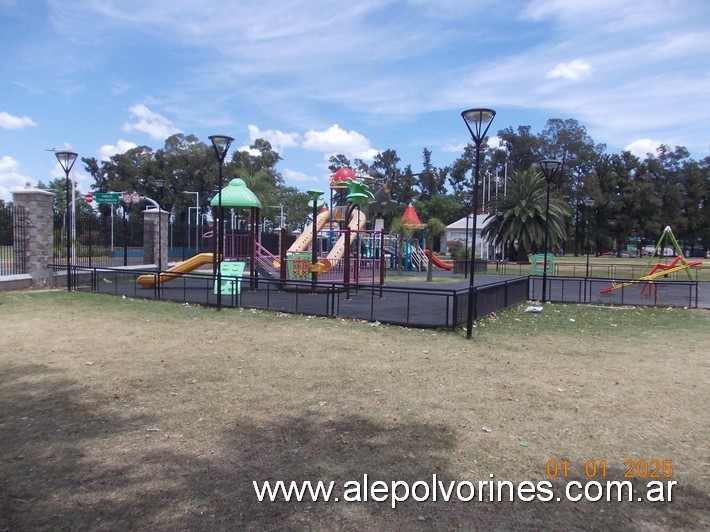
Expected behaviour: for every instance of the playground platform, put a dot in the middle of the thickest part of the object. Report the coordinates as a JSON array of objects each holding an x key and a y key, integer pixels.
[{"x": 401, "y": 301}]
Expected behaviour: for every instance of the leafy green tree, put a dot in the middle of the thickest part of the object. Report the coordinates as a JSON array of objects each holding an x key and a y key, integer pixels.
[
  {"x": 433, "y": 230},
  {"x": 522, "y": 147},
  {"x": 295, "y": 204},
  {"x": 431, "y": 181},
  {"x": 519, "y": 220},
  {"x": 338, "y": 161},
  {"x": 186, "y": 164},
  {"x": 257, "y": 167},
  {"x": 459, "y": 170},
  {"x": 448, "y": 209}
]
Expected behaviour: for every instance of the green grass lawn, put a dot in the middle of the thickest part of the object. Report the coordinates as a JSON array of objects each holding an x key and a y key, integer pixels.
[{"x": 126, "y": 414}]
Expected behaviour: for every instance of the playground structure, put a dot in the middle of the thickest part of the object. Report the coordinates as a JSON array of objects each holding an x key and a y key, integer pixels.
[
  {"x": 538, "y": 264},
  {"x": 414, "y": 257},
  {"x": 334, "y": 247},
  {"x": 678, "y": 264},
  {"x": 352, "y": 254},
  {"x": 191, "y": 264}
]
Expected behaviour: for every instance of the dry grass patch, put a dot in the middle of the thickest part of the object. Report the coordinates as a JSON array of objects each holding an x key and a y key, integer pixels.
[{"x": 129, "y": 414}]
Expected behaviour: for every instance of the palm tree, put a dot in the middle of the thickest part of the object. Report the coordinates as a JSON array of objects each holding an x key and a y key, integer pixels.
[
  {"x": 404, "y": 232},
  {"x": 519, "y": 217},
  {"x": 434, "y": 228}
]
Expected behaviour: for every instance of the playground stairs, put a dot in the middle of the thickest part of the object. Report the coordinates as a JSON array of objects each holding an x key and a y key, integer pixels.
[
  {"x": 419, "y": 259},
  {"x": 267, "y": 264}
]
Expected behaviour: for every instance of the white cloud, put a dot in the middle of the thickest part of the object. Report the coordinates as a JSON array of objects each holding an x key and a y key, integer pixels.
[
  {"x": 147, "y": 121},
  {"x": 122, "y": 146},
  {"x": 453, "y": 147},
  {"x": 573, "y": 71},
  {"x": 10, "y": 177},
  {"x": 8, "y": 121},
  {"x": 299, "y": 177},
  {"x": 251, "y": 151},
  {"x": 279, "y": 140},
  {"x": 641, "y": 147},
  {"x": 337, "y": 140}
]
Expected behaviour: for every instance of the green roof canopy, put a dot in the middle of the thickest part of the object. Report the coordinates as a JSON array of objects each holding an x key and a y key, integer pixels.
[{"x": 236, "y": 194}]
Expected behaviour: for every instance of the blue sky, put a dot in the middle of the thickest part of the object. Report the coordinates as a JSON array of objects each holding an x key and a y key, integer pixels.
[{"x": 317, "y": 77}]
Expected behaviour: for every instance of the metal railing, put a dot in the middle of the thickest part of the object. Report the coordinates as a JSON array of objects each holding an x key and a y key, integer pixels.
[
  {"x": 418, "y": 307},
  {"x": 667, "y": 293},
  {"x": 596, "y": 270}
]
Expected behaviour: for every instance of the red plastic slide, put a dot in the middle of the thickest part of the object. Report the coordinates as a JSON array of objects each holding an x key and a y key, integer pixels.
[{"x": 438, "y": 262}]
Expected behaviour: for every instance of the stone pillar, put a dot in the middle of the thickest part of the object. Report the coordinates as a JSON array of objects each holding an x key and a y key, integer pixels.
[
  {"x": 37, "y": 233},
  {"x": 155, "y": 237}
]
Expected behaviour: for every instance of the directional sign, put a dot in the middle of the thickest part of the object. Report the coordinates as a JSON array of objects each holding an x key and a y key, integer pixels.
[
  {"x": 89, "y": 197},
  {"x": 111, "y": 198}
]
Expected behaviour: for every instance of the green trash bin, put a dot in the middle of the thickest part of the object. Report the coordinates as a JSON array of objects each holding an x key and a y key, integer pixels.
[{"x": 231, "y": 278}]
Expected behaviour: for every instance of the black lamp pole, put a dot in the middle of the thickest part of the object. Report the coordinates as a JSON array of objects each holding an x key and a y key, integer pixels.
[
  {"x": 466, "y": 196},
  {"x": 221, "y": 145},
  {"x": 66, "y": 160},
  {"x": 160, "y": 183},
  {"x": 549, "y": 168},
  {"x": 477, "y": 121},
  {"x": 314, "y": 203},
  {"x": 589, "y": 203}
]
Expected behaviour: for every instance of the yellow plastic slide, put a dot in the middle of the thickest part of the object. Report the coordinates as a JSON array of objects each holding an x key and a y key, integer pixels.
[
  {"x": 304, "y": 240},
  {"x": 149, "y": 281},
  {"x": 357, "y": 222}
]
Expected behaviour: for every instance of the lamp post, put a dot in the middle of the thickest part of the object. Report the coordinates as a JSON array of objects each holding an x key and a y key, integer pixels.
[
  {"x": 466, "y": 197},
  {"x": 197, "y": 219},
  {"x": 549, "y": 169},
  {"x": 221, "y": 145},
  {"x": 66, "y": 160},
  {"x": 477, "y": 121},
  {"x": 315, "y": 202},
  {"x": 589, "y": 203},
  {"x": 160, "y": 183}
]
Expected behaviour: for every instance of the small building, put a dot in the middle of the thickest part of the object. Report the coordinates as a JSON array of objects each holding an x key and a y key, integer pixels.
[{"x": 457, "y": 231}]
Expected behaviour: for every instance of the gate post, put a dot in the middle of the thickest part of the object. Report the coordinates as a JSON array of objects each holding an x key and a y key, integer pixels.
[
  {"x": 155, "y": 237},
  {"x": 33, "y": 233}
]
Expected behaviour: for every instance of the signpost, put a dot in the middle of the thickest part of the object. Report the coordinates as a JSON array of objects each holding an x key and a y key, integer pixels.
[
  {"x": 127, "y": 198},
  {"x": 108, "y": 198}
]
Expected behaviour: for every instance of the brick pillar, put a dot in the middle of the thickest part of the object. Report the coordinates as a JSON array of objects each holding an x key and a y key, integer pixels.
[
  {"x": 155, "y": 237},
  {"x": 36, "y": 234}
]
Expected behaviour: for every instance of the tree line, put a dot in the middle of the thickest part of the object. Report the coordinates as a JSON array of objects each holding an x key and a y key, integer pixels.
[{"x": 612, "y": 200}]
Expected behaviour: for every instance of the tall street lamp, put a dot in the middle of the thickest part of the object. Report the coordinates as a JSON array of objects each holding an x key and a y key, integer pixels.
[
  {"x": 315, "y": 203},
  {"x": 160, "y": 183},
  {"x": 221, "y": 145},
  {"x": 466, "y": 197},
  {"x": 66, "y": 160},
  {"x": 549, "y": 169},
  {"x": 197, "y": 219},
  {"x": 589, "y": 203},
  {"x": 477, "y": 121}
]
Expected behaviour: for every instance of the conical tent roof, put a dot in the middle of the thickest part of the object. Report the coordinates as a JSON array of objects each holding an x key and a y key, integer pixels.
[
  {"x": 236, "y": 194},
  {"x": 411, "y": 218}
]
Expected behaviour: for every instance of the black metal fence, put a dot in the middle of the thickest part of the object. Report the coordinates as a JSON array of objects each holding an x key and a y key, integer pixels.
[
  {"x": 99, "y": 241},
  {"x": 617, "y": 270},
  {"x": 12, "y": 240},
  {"x": 675, "y": 293},
  {"x": 408, "y": 306}
]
